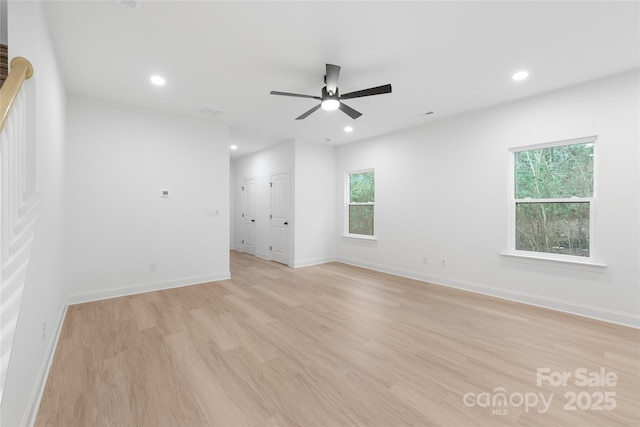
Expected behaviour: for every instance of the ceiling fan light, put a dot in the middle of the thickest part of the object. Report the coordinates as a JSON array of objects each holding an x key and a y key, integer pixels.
[{"x": 330, "y": 104}]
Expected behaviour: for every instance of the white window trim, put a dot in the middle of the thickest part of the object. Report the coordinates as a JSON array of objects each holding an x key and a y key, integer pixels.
[
  {"x": 538, "y": 257},
  {"x": 360, "y": 236},
  {"x": 512, "y": 201},
  {"x": 347, "y": 190}
]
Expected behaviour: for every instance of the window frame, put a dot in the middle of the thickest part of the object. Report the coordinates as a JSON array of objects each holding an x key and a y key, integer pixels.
[
  {"x": 348, "y": 204},
  {"x": 513, "y": 202}
]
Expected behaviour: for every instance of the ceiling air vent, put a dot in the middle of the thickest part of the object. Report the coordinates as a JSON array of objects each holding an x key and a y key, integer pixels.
[
  {"x": 210, "y": 112},
  {"x": 131, "y": 4}
]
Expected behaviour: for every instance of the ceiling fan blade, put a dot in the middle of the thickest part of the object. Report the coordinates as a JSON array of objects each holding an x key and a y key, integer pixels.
[
  {"x": 273, "y": 92},
  {"x": 308, "y": 113},
  {"x": 331, "y": 78},
  {"x": 350, "y": 111},
  {"x": 378, "y": 90}
]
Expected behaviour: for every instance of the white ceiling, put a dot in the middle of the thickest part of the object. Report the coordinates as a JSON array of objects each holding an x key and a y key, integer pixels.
[{"x": 446, "y": 57}]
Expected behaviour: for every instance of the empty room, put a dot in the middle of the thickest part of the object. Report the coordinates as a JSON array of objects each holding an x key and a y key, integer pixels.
[{"x": 319, "y": 213}]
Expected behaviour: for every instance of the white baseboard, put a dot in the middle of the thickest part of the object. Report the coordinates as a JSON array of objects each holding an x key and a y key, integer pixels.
[
  {"x": 29, "y": 417},
  {"x": 82, "y": 297},
  {"x": 310, "y": 262},
  {"x": 597, "y": 313},
  {"x": 263, "y": 256}
]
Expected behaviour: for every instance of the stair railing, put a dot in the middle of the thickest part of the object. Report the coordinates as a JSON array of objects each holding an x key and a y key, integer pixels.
[{"x": 18, "y": 201}]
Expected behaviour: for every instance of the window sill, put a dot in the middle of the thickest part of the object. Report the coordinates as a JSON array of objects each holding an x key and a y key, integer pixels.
[
  {"x": 541, "y": 259},
  {"x": 359, "y": 237}
]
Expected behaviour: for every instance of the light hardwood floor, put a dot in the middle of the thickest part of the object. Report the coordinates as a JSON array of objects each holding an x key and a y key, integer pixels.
[{"x": 332, "y": 345}]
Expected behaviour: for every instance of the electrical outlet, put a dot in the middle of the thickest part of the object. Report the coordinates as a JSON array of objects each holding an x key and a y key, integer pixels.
[
  {"x": 425, "y": 260},
  {"x": 443, "y": 263},
  {"x": 153, "y": 267},
  {"x": 44, "y": 330}
]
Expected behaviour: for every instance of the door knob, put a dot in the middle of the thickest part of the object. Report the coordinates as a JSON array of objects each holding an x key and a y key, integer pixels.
[
  {"x": 253, "y": 220},
  {"x": 286, "y": 223}
]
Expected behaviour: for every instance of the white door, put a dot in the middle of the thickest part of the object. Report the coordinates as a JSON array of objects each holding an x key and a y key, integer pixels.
[
  {"x": 249, "y": 216},
  {"x": 279, "y": 227}
]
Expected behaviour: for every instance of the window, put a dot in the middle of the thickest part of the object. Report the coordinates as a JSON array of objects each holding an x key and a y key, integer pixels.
[
  {"x": 360, "y": 202},
  {"x": 553, "y": 200}
]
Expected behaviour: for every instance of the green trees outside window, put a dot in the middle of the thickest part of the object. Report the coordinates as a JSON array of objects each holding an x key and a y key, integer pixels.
[
  {"x": 553, "y": 196},
  {"x": 361, "y": 202}
]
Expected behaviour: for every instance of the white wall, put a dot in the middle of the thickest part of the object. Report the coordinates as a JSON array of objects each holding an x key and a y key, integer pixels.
[
  {"x": 441, "y": 192},
  {"x": 119, "y": 159},
  {"x": 260, "y": 165},
  {"x": 44, "y": 294},
  {"x": 315, "y": 225}
]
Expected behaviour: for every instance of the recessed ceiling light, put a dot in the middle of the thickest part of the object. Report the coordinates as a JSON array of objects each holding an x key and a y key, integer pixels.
[
  {"x": 348, "y": 129},
  {"x": 234, "y": 147},
  {"x": 157, "y": 80},
  {"x": 520, "y": 75}
]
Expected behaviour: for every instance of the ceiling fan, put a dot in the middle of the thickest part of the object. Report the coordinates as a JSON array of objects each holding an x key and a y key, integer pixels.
[{"x": 331, "y": 98}]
